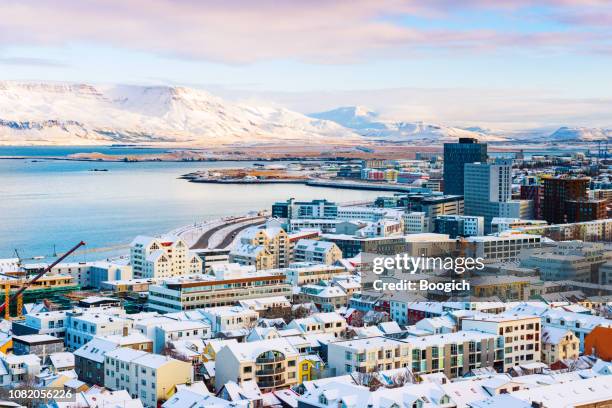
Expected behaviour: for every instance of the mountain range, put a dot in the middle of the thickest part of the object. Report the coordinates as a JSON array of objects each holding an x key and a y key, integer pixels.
[{"x": 38, "y": 113}]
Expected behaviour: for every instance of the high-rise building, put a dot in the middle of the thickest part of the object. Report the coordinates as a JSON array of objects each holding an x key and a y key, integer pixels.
[
  {"x": 456, "y": 156},
  {"x": 566, "y": 200},
  {"x": 488, "y": 192}
]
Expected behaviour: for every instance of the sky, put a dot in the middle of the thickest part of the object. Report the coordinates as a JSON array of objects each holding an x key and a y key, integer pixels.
[{"x": 502, "y": 64}]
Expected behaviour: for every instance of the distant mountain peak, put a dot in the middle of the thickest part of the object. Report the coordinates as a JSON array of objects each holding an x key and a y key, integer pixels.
[
  {"x": 368, "y": 123},
  {"x": 57, "y": 113}
]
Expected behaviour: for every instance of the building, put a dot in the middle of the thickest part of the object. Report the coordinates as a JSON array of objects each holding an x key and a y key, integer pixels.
[
  {"x": 318, "y": 252},
  {"x": 456, "y": 156},
  {"x": 455, "y": 354},
  {"x": 325, "y": 297},
  {"x": 305, "y": 209},
  {"x": 271, "y": 363},
  {"x": 559, "y": 344},
  {"x": 566, "y": 200},
  {"x": 90, "y": 274},
  {"x": 163, "y": 257},
  {"x": 231, "y": 284},
  {"x": 500, "y": 224},
  {"x": 494, "y": 248},
  {"x": 368, "y": 355},
  {"x": 225, "y": 319},
  {"x": 179, "y": 330},
  {"x": 416, "y": 222},
  {"x": 268, "y": 241},
  {"x": 571, "y": 260},
  {"x": 535, "y": 193},
  {"x": 373, "y": 214},
  {"x": 39, "y": 344},
  {"x": 52, "y": 323},
  {"x": 520, "y": 333},
  {"x": 459, "y": 225},
  {"x": 149, "y": 377},
  {"x": 433, "y": 205},
  {"x": 302, "y": 273},
  {"x": 89, "y": 358},
  {"x": 82, "y": 326},
  {"x": 488, "y": 192}
]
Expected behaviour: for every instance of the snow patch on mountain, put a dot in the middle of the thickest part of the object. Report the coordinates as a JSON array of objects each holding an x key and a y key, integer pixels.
[
  {"x": 368, "y": 123},
  {"x": 580, "y": 134},
  {"x": 71, "y": 114}
]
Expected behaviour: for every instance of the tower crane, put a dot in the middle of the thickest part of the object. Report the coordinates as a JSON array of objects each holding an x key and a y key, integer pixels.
[{"x": 18, "y": 295}]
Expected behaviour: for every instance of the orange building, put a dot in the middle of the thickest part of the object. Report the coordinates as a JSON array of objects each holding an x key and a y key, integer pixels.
[{"x": 599, "y": 343}]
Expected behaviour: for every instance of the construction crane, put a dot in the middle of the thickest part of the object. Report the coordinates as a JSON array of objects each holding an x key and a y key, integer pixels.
[{"x": 18, "y": 295}]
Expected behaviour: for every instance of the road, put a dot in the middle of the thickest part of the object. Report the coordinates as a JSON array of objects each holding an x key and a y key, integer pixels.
[{"x": 205, "y": 240}]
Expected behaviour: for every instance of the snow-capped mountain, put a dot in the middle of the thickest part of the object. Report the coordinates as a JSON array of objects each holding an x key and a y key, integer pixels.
[
  {"x": 580, "y": 134},
  {"x": 81, "y": 114},
  {"x": 367, "y": 123}
]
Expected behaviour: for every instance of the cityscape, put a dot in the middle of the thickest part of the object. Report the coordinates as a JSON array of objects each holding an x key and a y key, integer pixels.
[{"x": 305, "y": 204}]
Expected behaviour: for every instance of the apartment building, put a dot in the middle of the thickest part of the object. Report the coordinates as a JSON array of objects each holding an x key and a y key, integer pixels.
[
  {"x": 368, "y": 355},
  {"x": 230, "y": 284},
  {"x": 330, "y": 323},
  {"x": 179, "y": 330},
  {"x": 265, "y": 247},
  {"x": 18, "y": 368},
  {"x": 302, "y": 273},
  {"x": 271, "y": 363},
  {"x": 225, "y": 319},
  {"x": 91, "y": 274},
  {"x": 559, "y": 344},
  {"x": 89, "y": 358},
  {"x": 52, "y": 323},
  {"x": 317, "y": 252},
  {"x": 458, "y": 225},
  {"x": 455, "y": 354},
  {"x": 291, "y": 209},
  {"x": 147, "y": 376},
  {"x": 521, "y": 335},
  {"x": 82, "y": 326},
  {"x": 324, "y": 296},
  {"x": 166, "y": 256}
]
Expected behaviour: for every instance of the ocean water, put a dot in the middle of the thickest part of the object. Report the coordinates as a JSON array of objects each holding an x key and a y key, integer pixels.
[{"x": 47, "y": 203}]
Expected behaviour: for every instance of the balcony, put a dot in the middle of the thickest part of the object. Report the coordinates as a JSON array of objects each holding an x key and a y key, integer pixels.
[
  {"x": 267, "y": 383},
  {"x": 266, "y": 371}
]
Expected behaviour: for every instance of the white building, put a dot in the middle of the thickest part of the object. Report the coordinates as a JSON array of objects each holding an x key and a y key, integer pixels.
[
  {"x": 520, "y": 332},
  {"x": 416, "y": 222},
  {"x": 271, "y": 363},
  {"x": 162, "y": 257},
  {"x": 147, "y": 376},
  {"x": 318, "y": 252},
  {"x": 230, "y": 318},
  {"x": 82, "y": 326},
  {"x": 179, "y": 330}
]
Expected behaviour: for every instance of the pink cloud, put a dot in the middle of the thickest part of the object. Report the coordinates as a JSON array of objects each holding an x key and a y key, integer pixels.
[{"x": 235, "y": 31}]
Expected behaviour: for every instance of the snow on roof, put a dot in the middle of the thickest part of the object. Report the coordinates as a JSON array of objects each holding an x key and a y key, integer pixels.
[
  {"x": 553, "y": 335},
  {"x": 251, "y": 350},
  {"x": 95, "y": 349},
  {"x": 62, "y": 359}
]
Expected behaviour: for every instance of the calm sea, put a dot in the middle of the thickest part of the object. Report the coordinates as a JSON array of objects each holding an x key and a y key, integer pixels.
[{"x": 55, "y": 202}]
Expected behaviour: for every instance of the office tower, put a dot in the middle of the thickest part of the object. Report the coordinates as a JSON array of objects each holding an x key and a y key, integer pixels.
[
  {"x": 488, "y": 192},
  {"x": 566, "y": 200},
  {"x": 456, "y": 156}
]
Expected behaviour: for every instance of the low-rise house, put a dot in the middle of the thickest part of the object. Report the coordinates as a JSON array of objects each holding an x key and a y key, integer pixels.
[
  {"x": 330, "y": 322},
  {"x": 229, "y": 318},
  {"x": 41, "y": 345},
  {"x": 558, "y": 344},
  {"x": 179, "y": 330}
]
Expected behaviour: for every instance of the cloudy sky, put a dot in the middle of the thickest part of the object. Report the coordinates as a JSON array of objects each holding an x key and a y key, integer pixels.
[{"x": 504, "y": 64}]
